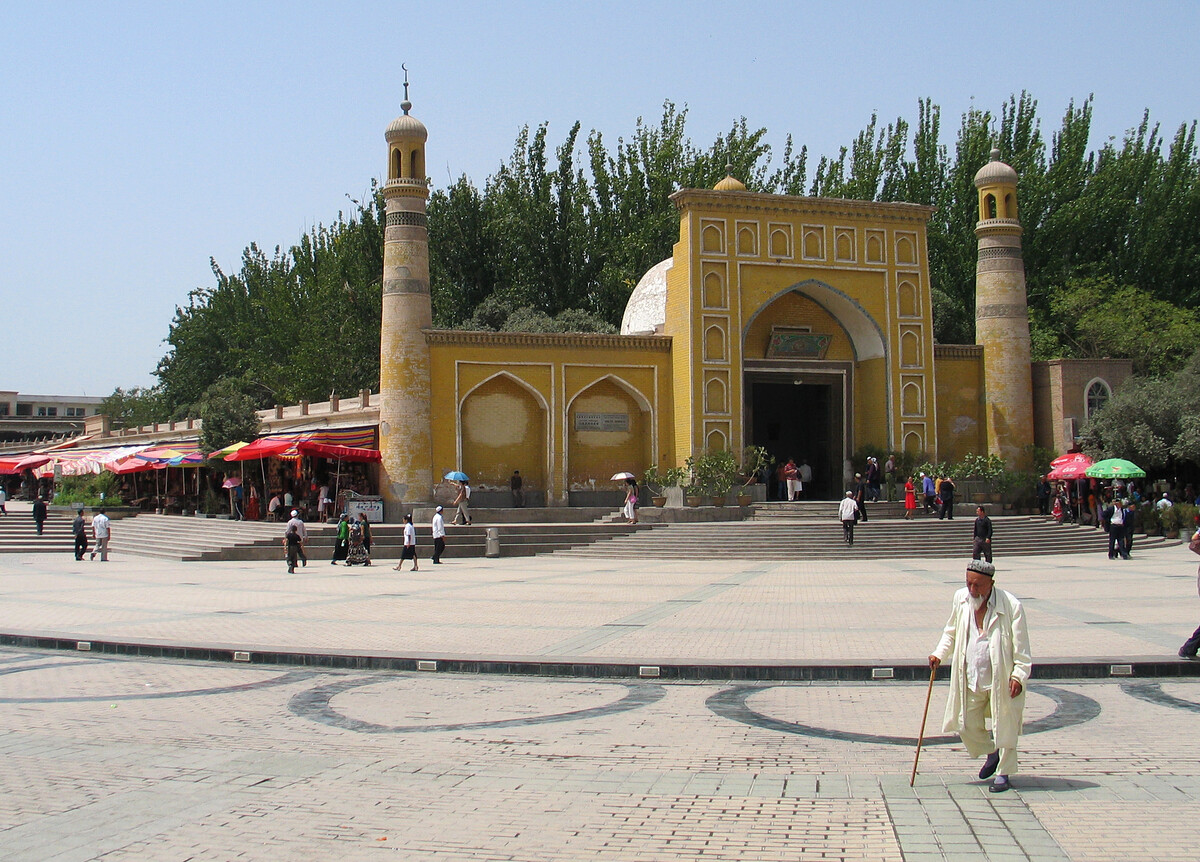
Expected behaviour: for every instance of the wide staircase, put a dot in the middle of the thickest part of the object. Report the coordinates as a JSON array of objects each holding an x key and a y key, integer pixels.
[
  {"x": 774, "y": 531},
  {"x": 811, "y": 531},
  {"x": 174, "y": 537},
  {"x": 19, "y": 536}
]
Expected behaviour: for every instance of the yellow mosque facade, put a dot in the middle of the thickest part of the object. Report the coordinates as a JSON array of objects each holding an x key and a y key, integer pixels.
[{"x": 801, "y": 324}]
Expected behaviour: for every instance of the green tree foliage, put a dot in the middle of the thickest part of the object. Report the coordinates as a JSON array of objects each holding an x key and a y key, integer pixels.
[
  {"x": 294, "y": 325},
  {"x": 1153, "y": 421},
  {"x": 1094, "y": 318},
  {"x": 228, "y": 414},
  {"x": 134, "y": 407},
  {"x": 572, "y": 227}
]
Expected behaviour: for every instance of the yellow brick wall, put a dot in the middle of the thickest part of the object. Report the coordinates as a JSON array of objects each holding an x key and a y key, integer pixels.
[{"x": 961, "y": 429}]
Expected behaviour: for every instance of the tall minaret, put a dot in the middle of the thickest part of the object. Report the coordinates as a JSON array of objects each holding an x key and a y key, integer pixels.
[
  {"x": 404, "y": 429},
  {"x": 1002, "y": 315}
]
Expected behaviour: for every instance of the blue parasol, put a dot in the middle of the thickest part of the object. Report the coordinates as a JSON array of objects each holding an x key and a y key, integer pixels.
[{"x": 456, "y": 476}]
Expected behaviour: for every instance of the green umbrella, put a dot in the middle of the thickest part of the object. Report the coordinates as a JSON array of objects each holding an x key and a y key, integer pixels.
[{"x": 1115, "y": 468}]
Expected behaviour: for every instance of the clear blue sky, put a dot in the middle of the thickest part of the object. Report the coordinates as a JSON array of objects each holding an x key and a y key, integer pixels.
[{"x": 140, "y": 139}]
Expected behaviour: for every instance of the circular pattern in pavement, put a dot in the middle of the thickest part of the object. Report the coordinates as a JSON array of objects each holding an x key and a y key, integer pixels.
[
  {"x": 1070, "y": 708},
  {"x": 521, "y": 698},
  {"x": 121, "y": 680},
  {"x": 1152, "y": 692}
]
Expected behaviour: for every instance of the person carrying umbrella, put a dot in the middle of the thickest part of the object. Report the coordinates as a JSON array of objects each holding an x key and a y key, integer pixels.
[{"x": 462, "y": 501}]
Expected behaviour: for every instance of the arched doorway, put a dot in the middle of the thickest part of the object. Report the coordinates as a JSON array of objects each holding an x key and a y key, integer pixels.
[{"x": 502, "y": 429}]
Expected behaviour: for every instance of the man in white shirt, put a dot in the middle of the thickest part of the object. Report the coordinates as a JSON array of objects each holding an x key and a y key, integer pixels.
[
  {"x": 302, "y": 531},
  {"x": 848, "y": 514},
  {"x": 101, "y": 532},
  {"x": 1165, "y": 502},
  {"x": 439, "y": 535},
  {"x": 988, "y": 639}
]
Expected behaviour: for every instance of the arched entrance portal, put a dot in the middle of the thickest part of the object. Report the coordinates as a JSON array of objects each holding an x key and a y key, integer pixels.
[
  {"x": 801, "y": 414},
  {"x": 800, "y": 353}
]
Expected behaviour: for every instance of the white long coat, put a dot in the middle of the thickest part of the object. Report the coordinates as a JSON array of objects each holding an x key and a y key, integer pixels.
[{"x": 1008, "y": 645}]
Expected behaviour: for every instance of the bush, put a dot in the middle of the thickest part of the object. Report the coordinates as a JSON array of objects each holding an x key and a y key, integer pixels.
[{"x": 88, "y": 491}]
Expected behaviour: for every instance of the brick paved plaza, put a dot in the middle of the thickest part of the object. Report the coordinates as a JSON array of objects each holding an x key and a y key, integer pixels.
[{"x": 116, "y": 757}]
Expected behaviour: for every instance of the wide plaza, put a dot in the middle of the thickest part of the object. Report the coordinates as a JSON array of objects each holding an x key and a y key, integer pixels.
[{"x": 121, "y": 757}]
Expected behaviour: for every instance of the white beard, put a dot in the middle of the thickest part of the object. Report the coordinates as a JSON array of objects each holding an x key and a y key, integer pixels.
[{"x": 977, "y": 602}]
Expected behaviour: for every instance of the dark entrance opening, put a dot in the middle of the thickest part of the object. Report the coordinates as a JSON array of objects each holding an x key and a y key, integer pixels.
[{"x": 802, "y": 421}]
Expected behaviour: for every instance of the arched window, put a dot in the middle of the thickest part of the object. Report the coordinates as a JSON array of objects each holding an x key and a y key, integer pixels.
[{"x": 1098, "y": 393}]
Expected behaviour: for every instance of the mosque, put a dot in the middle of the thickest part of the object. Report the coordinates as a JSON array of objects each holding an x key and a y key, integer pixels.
[
  {"x": 796, "y": 323},
  {"x": 800, "y": 324}
]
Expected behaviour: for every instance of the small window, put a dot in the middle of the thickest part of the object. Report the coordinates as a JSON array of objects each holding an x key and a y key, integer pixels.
[
  {"x": 51, "y": 411},
  {"x": 3, "y": 408},
  {"x": 41, "y": 411},
  {"x": 25, "y": 409},
  {"x": 1098, "y": 394}
]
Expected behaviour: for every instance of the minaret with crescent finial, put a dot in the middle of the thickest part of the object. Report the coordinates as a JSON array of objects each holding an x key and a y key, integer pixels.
[
  {"x": 405, "y": 436},
  {"x": 1002, "y": 315}
]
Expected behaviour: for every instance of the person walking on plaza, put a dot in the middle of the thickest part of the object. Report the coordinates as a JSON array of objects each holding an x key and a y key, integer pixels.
[
  {"x": 341, "y": 545},
  {"x": 1192, "y": 645},
  {"x": 910, "y": 499},
  {"x": 409, "y": 551},
  {"x": 463, "y": 503},
  {"x": 889, "y": 477},
  {"x": 365, "y": 526},
  {"x": 987, "y": 640},
  {"x": 1130, "y": 525},
  {"x": 848, "y": 514},
  {"x": 438, "y": 527},
  {"x": 39, "y": 514},
  {"x": 928, "y": 491},
  {"x": 293, "y": 543},
  {"x": 79, "y": 529},
  {"x": 982, "y": 546},
  {"x": 101, "y": 534},
  {"x": 517, "y": 486},
  {"x": 3, "y": 499},
  {"x": 356, "y": 553},
  {"x": 806, "y": 476},
  {"x": 1114, "y": 518},
  {"x": 298, "y": 525},
  {"x": 946, "y": 499}
]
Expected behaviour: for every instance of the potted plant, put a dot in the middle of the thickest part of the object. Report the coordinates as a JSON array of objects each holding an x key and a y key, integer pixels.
[
  {"x": 1150, "y": 520},
  {"x": 755, "y": 460},
  {"x": 691, "y": 495},
  {"x": 1172, "y": 520},
  {"x": 714, "y": 473},
  {"x": 658, "y": 482}
]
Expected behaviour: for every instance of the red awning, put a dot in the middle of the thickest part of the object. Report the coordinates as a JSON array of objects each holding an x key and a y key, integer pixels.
[{"x": 295, "y": 445}]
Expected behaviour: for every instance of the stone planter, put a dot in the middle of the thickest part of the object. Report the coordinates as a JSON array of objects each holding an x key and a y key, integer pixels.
[
  {"x": 717, "y": 499},
  {"x": 659, "y": 501},
  {"x": 744, "y": 499},
  {"x": 1171, "y": 534},
  {"x": 694, "y": 501}
]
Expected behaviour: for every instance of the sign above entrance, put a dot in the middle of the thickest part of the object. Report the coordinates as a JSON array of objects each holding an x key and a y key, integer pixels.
[{"x": 791, "y": 343}]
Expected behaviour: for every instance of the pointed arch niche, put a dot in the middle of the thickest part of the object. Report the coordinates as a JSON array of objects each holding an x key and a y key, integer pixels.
[
  {"x": 598, "y": 448},
  {"x": 503, "y": 427}
]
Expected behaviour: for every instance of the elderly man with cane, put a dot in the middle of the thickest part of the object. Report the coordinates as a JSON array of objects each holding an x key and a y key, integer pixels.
[{"x": 988, "y": 641}]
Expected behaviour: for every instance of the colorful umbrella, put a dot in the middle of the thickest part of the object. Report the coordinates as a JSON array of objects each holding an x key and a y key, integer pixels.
[
  {"x": 1115, "y": 468},
  {"x": 617, "y": 476},
  {"x": 1071, "y": 466},
  {"x": 228, "y": 450}
]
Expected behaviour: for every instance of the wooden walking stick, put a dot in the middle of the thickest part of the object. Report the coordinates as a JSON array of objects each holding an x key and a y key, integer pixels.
[{"x": 924, "y": 715}]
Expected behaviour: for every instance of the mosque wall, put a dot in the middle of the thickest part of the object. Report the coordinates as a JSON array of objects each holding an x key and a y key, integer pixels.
[
  {"x": 960, "y": 399},
  {"x": 567, "y": 410}
]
